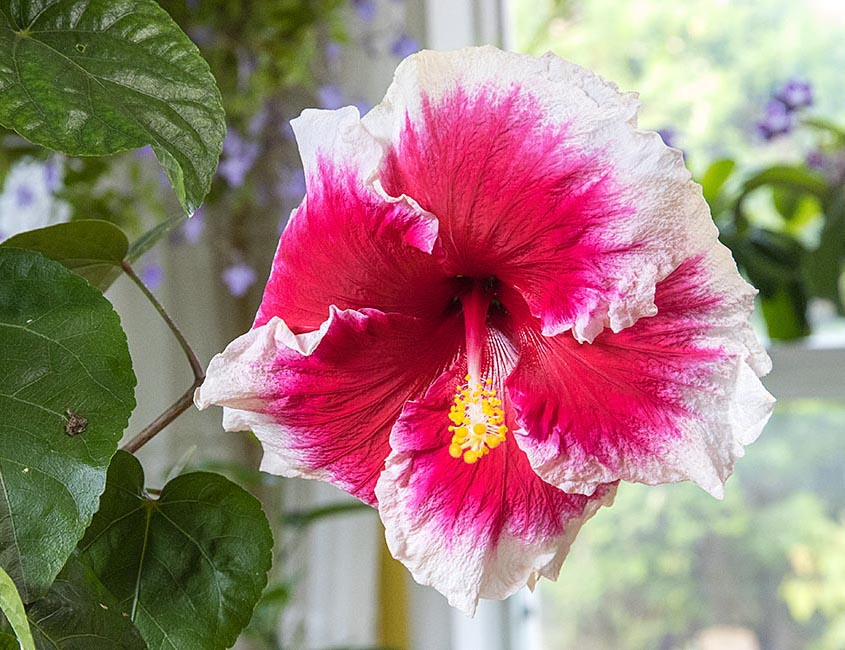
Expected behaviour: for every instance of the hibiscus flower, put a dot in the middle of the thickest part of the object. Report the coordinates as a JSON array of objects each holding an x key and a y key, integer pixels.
[{"x": 497, "y": 300}]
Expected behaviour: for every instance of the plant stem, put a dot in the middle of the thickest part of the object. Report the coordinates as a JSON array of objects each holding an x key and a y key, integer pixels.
[{"x": 184, "y": 402}]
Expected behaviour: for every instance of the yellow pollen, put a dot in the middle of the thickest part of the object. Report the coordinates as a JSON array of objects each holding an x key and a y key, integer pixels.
[{"x": 478, "y": 420}]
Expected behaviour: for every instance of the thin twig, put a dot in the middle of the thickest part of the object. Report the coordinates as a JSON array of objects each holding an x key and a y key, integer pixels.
[
  {"x": 174, "y": 411},
  {"x": 184, "y": 402}
]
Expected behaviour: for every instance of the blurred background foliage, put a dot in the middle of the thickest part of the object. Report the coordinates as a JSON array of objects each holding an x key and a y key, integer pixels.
[
  {"x": 752, "y": 92},
  {"x": 667, "y": 562}
]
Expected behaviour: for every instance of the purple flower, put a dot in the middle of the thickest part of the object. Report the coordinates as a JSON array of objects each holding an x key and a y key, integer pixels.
[
  {"x": 292, "y": 185},
  {"x": 366, "y": 9},
  {"x": 831, "y": 164},
  {"x": 24, "y": 196},
  {"x": 404, "y": 46},
  {"x": 669, "y": 136},
  {"x": 238, "y": 158},
  {"x": 238, "y": 278},
  {"x": 333, "y": 51},
  {"x": 152, "y": 275},
  {"x": 202, "y": 35},
  {"x": 258, "y": 121},
  {"x": 27, "y": 200},
  {"x": 246, "y": 66},
  {"x": 362, "y": 105},
  {"x": 286, "y": 131},
  {"x": 817, "y": 160},
  {"x": 53, "y": 173},
  {"x": 778, "y": 120},
  {"x": 193, "y": 227},
  {"x": 145, "y": 152},
  {"x": 330, "y": 96},
  {"x": 795, "y": 94}
]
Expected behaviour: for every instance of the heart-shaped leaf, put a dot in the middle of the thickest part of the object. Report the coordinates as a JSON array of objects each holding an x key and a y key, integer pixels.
[
  {"x": 10, "y": 603},
  {"x": 188, "y": 566},
  {"x": 91, "y": 248},
  {"x": 94, "y": 77},
  {"x": 66, "y": 393},
  {"x": 78, "y": 613}
]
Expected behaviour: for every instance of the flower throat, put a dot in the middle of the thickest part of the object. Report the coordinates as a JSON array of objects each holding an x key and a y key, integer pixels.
[{"x": 478, "y": 420}]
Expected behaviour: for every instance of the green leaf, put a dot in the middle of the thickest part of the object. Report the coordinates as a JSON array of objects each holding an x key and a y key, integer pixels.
[
  {"x": 94, "y": 77},
  {"x": 785, "y": 313},
  {"x": 8, "y": 642},
  {"x": 824, "y": 266},
  {"x": 66, "y": 393},
  {"x": 797, "y": 209},
  {"x": 826, "y": 125},
  {"x": 10, "y": 603},
  {"x": 772, "y": 260},
  {"x": 798, "y": 179},
  {"x": 190, "y": 565},
  {"x": 91, "y": 248},
  {"x": 715, "y": 177},
  {"x": 146, "y": 241},
  {"x": 78, "y": 613}
]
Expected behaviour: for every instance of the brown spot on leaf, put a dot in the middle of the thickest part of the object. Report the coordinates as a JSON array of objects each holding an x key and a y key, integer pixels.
[{"x": 76, "y": 423}]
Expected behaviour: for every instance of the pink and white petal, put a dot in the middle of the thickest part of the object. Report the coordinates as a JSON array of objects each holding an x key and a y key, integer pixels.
[
  {"x": 346, "y": 244},
  {"x": 537, "y": 175},
  {"x": 674, "y": 397},
  {"x": 322, "y": 403},
  {"x": 472, "y": 531}
]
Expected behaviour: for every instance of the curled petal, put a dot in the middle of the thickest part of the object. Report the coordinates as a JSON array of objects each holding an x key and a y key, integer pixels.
[
  {"x": 347, "y": 244},
  {"x": 537, "y": 175},
  {"x": 322, "y": 403},
  {"x": 674, "y": 397},
  {"x": 472, "y": 531}
]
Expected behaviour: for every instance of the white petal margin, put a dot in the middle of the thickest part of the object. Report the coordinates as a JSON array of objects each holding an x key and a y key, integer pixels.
[
  {"x": 731, "y": 409},
  {"x": 237, "y": 378},
  {"x": 339, "y": 136},
  {"x": 459, "y": 567},
  {"x": 671, "y": 220}
]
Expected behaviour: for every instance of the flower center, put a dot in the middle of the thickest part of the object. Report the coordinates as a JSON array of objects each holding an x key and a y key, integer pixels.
[{"x": 478, "y": 420}]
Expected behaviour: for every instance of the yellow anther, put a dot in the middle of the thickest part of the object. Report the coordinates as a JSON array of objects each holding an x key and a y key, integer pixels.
[{"x": 477, "y": 420}]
